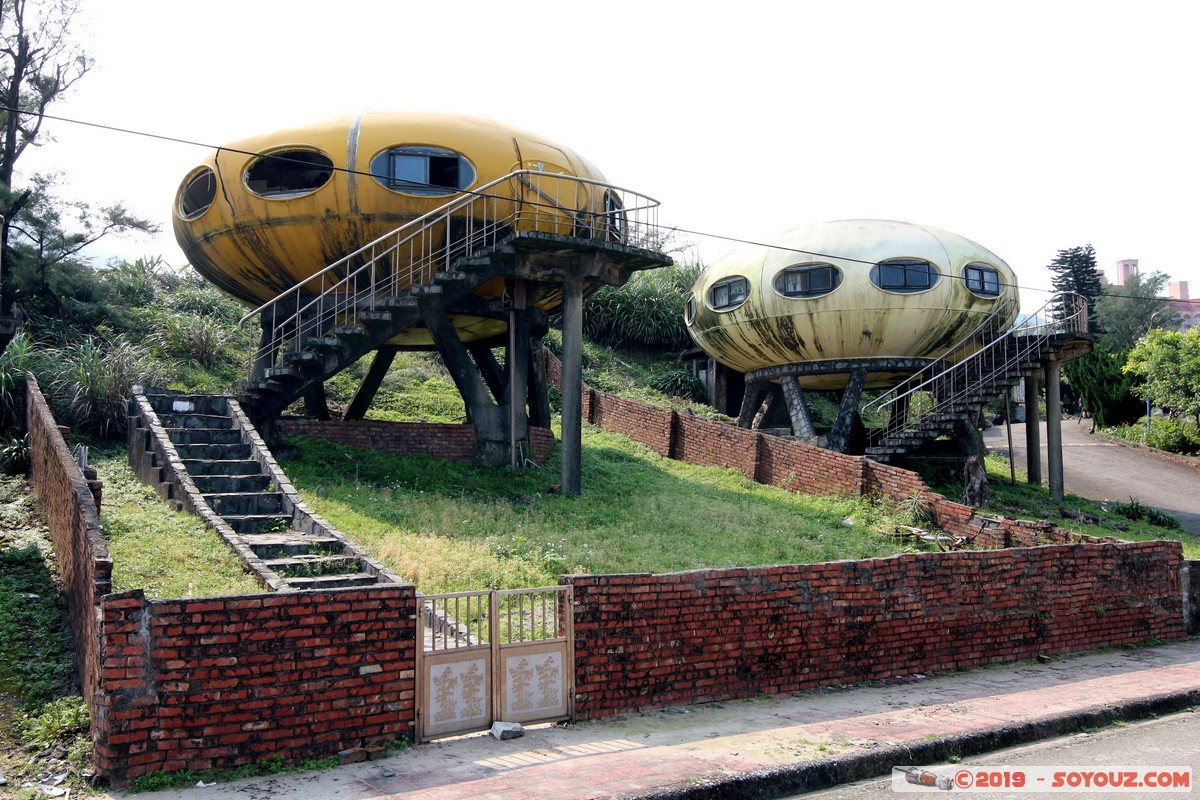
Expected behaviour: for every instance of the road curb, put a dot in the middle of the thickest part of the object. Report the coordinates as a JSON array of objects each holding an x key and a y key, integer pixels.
[{"x": 812, "y": 776}]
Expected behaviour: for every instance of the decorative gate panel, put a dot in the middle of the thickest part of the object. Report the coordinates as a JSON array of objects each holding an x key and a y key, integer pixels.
[{"x": 487, "y": 656}]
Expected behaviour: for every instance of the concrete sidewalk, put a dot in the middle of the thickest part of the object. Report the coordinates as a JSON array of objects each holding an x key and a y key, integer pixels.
[{"x": 767, "y": 746}]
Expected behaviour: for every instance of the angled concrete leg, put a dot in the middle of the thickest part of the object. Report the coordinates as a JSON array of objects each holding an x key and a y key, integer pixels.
[
  {"x": 844, "y": 426},
  {"x": 371, "y": 382},
  {"x": 752, "y": 401},
  {"x": 793, "y": 395}
]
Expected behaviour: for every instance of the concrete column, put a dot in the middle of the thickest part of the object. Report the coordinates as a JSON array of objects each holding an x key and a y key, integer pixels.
[
  {"x": 1033, "y": 430},
  {"x": 1054, "y": 454},
  {"x": 794, "y": 396},
  {"x": 572, "y": 385},
  {"x": 843, "y": 427},
  {"x": 361, "y": 401}
]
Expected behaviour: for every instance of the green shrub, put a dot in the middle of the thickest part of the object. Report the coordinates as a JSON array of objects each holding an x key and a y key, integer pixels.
[
  {"x": 644, "y": 314},
  {"x": 1174, "y": 436},
  {"x": 14, "y": 456},
  {"x": 90, "y": 383}
]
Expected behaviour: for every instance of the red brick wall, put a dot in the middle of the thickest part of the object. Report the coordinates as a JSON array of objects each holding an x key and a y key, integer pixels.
[
  {"x": 715, "y": 444},
  {"x": 647, "y": 641},
  {"x": 447, "y": 442},
  {"x": 66, "y": 501},
  {"x": 219, "y": 682},
  {"x": 641, "y": 422},
  {"x": 800, "y": 467}
]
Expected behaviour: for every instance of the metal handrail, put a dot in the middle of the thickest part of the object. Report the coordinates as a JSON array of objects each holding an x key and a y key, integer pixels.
[
  {"x": 951, "y": 379},
  {"x": 412, "y": 254}
]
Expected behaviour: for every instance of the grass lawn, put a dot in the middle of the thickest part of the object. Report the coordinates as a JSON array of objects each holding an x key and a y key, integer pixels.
[
  {"x": 165, "y": 553},
  {"x": 451, "y": 527}
]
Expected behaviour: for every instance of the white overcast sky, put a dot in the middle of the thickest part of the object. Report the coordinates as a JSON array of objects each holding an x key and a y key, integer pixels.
[{"x": 1026, "y": 126}]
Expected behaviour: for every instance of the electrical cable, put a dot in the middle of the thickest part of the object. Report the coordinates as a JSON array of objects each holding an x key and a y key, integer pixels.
[{"x": 734, "y": 239}]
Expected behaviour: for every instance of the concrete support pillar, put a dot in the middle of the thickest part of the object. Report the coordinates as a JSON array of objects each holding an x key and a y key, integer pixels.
[
  {"x": 572, "y": 385},
  {"x": 752, "y": 401},
  {"x": 517, "y": 364},
  {"x": 267, "y": 347},
  {"x": 794, "y": 396},
  {"x": 847, "y": 418},
  {"x": 1033, "y": 430},
  {"x": 371, "y": 382},
  {"x": 1054, "y": 454}
]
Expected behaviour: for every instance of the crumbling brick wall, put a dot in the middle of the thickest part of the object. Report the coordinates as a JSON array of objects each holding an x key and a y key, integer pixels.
[
  {"x": 223, "y": 681},
  {"x": 647, "y": 641},
  {"x": 443, "y": 441}
]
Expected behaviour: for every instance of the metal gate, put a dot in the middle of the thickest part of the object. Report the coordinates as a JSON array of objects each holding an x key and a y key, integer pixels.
[{"x": 498, "y": 655}]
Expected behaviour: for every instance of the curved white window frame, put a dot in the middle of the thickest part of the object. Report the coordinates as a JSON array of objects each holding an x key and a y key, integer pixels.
[
  {"x": 729, "y": 293},
  {"x": 288, "y": 173},
  {"x": 422, "y": 170},
  {"x": 982, "y": 280},
  {"x": 905, "y": 275},
  {"x": 197, "y": 193},
  {"x": 806, "y": 281}
]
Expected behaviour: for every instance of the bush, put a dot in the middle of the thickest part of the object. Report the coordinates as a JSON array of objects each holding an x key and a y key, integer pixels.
[
  {"x": 644, "y": 314},
  {"x": 1173, "y": 435},
  {"x": 90, "y": 383},
  {"x": 15, "y": 363}
]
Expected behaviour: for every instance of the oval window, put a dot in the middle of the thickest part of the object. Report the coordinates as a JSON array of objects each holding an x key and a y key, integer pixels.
[
  {"x": 982, "y": 280},
  {"x": 428, "y": 171},
  {"x": 808, "y": 280},
  {"x": 288, "y": 173},
  {"x": 728, "y": 293},
  {"x": 689, "y": 310},
  {"x": 904, "y": 275},
  {"x": 197, "y": 193}
]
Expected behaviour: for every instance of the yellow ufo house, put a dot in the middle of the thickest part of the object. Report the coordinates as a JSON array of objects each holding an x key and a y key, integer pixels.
[
  {"x": 262, "y": 214},
  {"x": 388, "y": 231},
  {"x": 824, "y": 303}
]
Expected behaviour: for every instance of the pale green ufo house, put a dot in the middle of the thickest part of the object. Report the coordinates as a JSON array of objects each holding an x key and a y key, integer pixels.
[{"x": 842, "y": 306}]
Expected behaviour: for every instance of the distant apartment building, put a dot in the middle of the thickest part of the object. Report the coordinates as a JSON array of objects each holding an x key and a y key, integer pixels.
[{"x": 1187, "y": 308}]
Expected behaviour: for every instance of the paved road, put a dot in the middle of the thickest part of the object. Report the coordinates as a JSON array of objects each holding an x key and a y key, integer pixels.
[
  {"x": 1169, "y": 741},
  {"x": 1098, "y": 468}
]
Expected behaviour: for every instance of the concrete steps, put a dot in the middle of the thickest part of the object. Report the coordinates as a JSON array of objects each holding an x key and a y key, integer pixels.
[{"x": 222, "y": 471}]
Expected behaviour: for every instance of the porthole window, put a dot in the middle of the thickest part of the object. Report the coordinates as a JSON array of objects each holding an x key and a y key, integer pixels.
[
  {"x": 982, "y": 280},
  {"x": 288, "y": 173},
  {"x": 197, "y": 193},
  {"x": 430, "y": 171},
  {"x": 689, "y": 309},
  {"x": 904, "y": 275},
  {"x": 729, "y": 293},
  {"x": 808, "y": 280}
]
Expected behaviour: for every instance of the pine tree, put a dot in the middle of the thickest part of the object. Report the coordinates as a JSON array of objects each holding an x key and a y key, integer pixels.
[{"x": 1075, "y": 271}]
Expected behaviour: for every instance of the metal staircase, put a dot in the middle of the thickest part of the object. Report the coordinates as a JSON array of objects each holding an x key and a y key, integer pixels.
[
  {"x": 435, "y": 264},
  {"x": 985, "y": 364}
]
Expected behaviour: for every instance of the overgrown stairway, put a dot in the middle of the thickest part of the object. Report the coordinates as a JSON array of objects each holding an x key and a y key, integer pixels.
[
  {"x": 978, "y": 369},
  {"x": 201, "y": 454}
]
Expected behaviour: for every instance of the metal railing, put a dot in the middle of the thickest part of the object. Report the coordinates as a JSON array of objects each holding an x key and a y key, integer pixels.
[
  {"x": 461, "y": 620},
  {"x": 524, "y": 200},
  {"x": 978, "y": 362}
]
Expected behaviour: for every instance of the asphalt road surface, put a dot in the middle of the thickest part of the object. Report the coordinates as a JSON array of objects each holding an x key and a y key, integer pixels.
[
  {"x": 1097, "y": 468},
  {"x": 1166, "y": 742}
]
